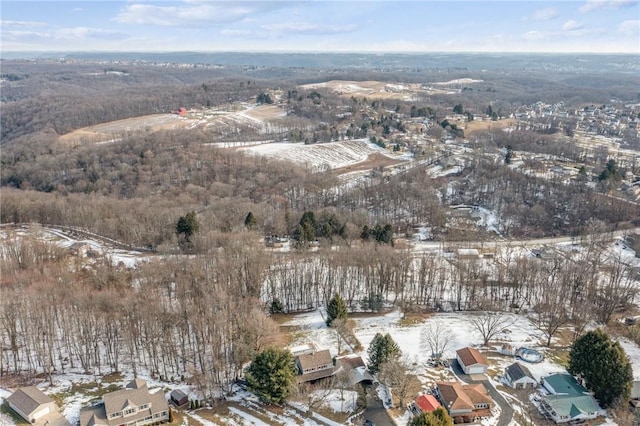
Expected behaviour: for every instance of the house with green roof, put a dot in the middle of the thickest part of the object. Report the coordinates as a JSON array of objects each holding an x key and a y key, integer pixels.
[{"x": 568, "y": 400}]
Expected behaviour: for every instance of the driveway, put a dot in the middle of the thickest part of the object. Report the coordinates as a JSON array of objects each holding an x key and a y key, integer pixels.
[
  {"x": 375, "y": 411},
  {"x": 506, "y": 413}
]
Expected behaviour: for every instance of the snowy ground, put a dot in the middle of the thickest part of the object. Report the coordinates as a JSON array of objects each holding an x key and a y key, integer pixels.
[
  {"x": 330, "y": 155},
  {"x": 522, "y": 332}
]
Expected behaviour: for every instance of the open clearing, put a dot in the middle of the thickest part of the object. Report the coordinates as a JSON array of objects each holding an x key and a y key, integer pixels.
[
  {"x": 375, "y": 89},
  {"x": 331, "y": 155},
  {"x": 476, "y": 125},
  {"x": 260, "y": 118},
  {"x": 114, "y": 130}
]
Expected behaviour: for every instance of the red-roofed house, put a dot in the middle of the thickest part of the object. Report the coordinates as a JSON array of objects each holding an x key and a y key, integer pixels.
[
  {"x": 427, "y": 403},
  {"x": 471, "y": 361}
]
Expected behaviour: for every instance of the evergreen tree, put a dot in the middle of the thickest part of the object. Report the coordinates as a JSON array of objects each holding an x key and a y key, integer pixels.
[
  {"x": 336, "y": 309},
  {"x": 603, "y": 365},
  {"x": 610, "y": 172},
  {"x": 271, "y": 375},
  {"x": 439, "y": 417},
  {"x": 187, "y": 225},
  {"x": 264, "y": 98},
  {"x": 305, "y": 232},
  {"x": 276, "y": 307},
  {"x": 509, "y": 155},
  {"x": 458, "y": 109},
  {"x": 250, "y": 221},
  {"x": 382, "y": 349}
]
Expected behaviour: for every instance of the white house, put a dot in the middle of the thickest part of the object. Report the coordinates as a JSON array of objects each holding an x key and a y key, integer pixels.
[
  {"x": 471, "y": 361},
  {"x": 517, "y": 376}
]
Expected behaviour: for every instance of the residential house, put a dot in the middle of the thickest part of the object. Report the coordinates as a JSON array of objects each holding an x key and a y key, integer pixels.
[
  {"x": 135, "y": 405},
  {"x": 568, "y": 400},
  {"x": 356, "y": 369},
  {"x": 35, "y": 407},
  {"x": 517, "y": 376},
  {"x": 471, "y": 361},
  {"x": 465, "y": 403},
  {"x": 426, "y": 404},
  {"x": 314, "y": 366}
]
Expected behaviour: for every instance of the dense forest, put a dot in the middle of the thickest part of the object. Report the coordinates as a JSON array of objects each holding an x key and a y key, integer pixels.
[{"x": 197, "y": 307}]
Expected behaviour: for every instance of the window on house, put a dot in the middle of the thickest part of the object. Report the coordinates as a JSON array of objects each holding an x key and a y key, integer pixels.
[
  {"x": 143, "y": 407},
  {"x": 114, "y": 415},
  {"x": 129, "y": 411}
]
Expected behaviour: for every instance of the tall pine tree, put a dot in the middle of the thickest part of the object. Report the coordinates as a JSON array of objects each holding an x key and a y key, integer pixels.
[
  {"x": 271, "y": 375},
  {"x": 336, "y": 309},
  {"x": 603, "y": 365},
  {"x": 382, "y": 349}
]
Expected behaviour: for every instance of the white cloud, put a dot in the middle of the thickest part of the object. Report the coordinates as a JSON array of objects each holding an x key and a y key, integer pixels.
[
  {"x": 534, "y": 35},
  {"x": 76, "y": 9},
  {"x": 193, "y": 12},
  {"x": 308, "y": 28},
  {"x": 69, "y": 34},
  {"x": 23, "y": 24},
  {"x": 629, "y": 28},
  {"x": 571, "y": 25},
  {"x": 88, "y": 33},
  {"x": 545, "y": 14},
  {"x": 592, "y": 5}
]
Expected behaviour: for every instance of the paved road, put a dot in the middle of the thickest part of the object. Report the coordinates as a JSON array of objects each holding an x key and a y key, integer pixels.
[
  {"x": 433, "y": 245},
  {"x": 506, "y": 413},
  {"x": 375, "y": 411}
]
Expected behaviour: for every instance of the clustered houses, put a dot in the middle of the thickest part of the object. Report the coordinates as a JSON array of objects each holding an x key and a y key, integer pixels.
[
  {"x": 564, "y": 399},
  {"x": 135, "y": 405},
  {"x": 606, "y": 120}
]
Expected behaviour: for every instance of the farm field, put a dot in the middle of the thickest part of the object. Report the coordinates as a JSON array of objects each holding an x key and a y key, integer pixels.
[
  {"x": 383, "y": 90},
  {"x": 224, "y": 121}
]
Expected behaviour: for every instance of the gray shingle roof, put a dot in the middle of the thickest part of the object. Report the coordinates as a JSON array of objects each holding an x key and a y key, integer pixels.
[
  {"x": 517, "y": 371},
  {"x": 314, "y": 360},
  {"x": 28, "y": 399}
]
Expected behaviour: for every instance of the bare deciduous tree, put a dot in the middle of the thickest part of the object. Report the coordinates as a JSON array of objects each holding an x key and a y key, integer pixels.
[
  {"x": 435, "y": 337},
  {"x": 489, "y": 324}
]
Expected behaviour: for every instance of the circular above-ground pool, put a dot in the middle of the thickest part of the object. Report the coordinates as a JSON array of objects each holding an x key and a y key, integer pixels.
[{"x": 529, "y": 355}]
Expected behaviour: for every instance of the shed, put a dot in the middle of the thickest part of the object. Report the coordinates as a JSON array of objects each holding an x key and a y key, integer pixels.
[
  {"x": 31, "y": 403},
  {"x": 471, "y": 361},
  {"x": 179, "y": 398},
  {"x": 517, "y": 376}
]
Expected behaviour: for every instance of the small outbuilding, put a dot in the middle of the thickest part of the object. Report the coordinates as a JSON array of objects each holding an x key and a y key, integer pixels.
[
  {"x": 179, "y": 398},
  {"x": 471, "y": 361},
  {"x": 517, "y": 376}
]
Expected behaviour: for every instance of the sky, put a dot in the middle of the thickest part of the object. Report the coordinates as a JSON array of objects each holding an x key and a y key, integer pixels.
[{"x": 585, "y": 26}]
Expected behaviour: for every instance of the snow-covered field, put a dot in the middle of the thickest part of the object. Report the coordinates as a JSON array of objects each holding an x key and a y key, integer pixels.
[{"x": 323, "y": 156}]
